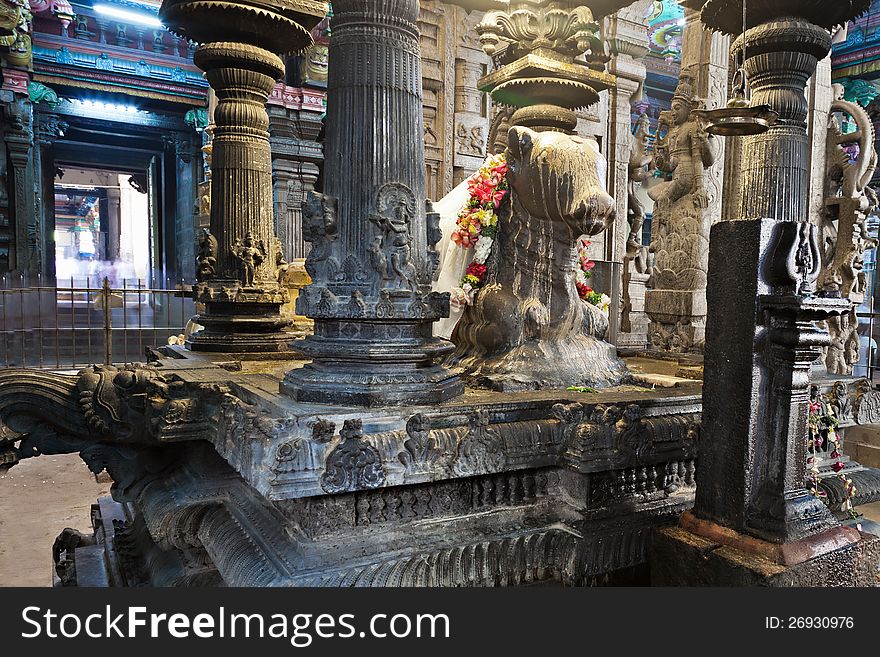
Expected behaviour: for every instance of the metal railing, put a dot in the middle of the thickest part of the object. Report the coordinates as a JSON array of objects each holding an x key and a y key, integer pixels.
[{"x": 67, "y": 327}]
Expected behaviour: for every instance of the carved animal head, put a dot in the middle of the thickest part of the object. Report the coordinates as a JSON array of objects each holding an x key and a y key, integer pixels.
[{"x": 561, "y": 178}]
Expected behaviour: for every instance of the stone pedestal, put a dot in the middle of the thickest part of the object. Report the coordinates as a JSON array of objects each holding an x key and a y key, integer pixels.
[
  {"x": 634, "y": 325},
  {"x": 716, "y": 562},
  {"x": 296, "y": 279},
  {"x": 678, "y": 319}
]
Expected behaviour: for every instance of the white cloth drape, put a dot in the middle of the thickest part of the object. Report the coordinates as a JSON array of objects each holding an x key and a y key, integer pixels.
[{"x": 454, "y": 260}]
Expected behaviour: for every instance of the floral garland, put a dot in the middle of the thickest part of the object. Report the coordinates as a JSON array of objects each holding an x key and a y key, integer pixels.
[
  {"x": 584, "y": 274},
  {"x": 477, "y": 226},
  {"x": 823, "y": 425}
]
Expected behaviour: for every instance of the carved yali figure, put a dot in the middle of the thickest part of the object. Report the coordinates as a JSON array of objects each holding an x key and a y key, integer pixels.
[
  {"x": 206, "y": 266},
  {"x": 528, "y": 328},
  {"x": 851, "y": 162}
]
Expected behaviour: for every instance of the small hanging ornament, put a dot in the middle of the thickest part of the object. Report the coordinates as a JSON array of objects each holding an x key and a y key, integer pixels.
[{"x": 740, "y": 118}]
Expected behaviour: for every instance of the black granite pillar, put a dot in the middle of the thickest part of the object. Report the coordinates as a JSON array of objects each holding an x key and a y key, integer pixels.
[{"x": 373, "y": 239}]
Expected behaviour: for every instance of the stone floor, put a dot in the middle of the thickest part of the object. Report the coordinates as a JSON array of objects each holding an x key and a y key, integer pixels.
[{"x": 40, "y": 497}]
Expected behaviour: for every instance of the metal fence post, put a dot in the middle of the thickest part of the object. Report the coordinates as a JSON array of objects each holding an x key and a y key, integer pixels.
[{"x": 108, "y": 326}]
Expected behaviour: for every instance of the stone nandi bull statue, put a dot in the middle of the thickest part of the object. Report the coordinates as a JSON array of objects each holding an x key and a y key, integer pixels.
[{"x": 528, "y": 327}]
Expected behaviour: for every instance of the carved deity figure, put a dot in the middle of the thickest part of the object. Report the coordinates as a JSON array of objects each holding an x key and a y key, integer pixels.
[
  {"x": 391, "y": 251},
  {"x": 680, "y": 231},
  {"x": 15, "y": 32},
  {"x": 250, "y": 254},
  {"x": 281, "y": 264},
  {"x": 686, "y": 150},
  {"x": 639, "y": 171},
  {"x": 842, "y": 354}
]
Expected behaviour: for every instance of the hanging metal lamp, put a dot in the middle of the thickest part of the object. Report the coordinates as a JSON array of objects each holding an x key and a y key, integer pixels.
[{"x": 740, "y": 118}]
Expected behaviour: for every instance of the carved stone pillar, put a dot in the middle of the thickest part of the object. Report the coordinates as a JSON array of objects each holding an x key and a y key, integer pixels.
[
  {"x": 47, "y": 129},
  {"x": 819, "y": 96},
  {"x": 628, "y": 44},
  {"x": 238, "y": 265},
  {"x": 684, "y": 212},
  {"x": 296, "y": 158},
  {"x": 19, "y": 137},
  {"x": 373, "y": 240},
  {"x": 114, "y": 218},
  {"x": 761, "y": 342}
]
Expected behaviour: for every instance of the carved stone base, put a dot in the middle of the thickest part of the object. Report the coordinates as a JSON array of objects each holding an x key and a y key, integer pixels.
[
  {"x": 373, "y": 363},
  {"x": 543, "y": 365},
  {"x": 678, "y": 320},
  {"x": 680, "y": 557},
  {"x": 241, "y": 320},
  {"x": 635, "y": 321}
]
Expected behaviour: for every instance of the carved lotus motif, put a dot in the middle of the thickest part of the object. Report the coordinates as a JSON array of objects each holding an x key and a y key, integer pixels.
[{"x": 527, "y": 29}]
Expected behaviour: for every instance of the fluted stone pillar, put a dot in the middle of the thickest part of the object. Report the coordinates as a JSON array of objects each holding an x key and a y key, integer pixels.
[
  {"x": 238, "y": 268},
  {"x": 373, "y": 240}
]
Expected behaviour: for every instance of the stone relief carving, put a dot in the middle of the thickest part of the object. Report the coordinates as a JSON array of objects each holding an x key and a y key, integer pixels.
[
  {"x": 422, "y": 452},
  {"x": 250, "y": 254},
  {"x": 354, "y": 465},
  {"x": 680, "y": 232},
  {"x": 207, "y": 256},
  {"x": 321, "y": 231},
  {"x": 639, "y": 171},
  {"x": 867, "y": 404},
  {"x": 470, "y": 141},
  {"x": 391, "y": 250},
  {"x": 482, "y": 450},
  {"x": 851, "y": 160}
]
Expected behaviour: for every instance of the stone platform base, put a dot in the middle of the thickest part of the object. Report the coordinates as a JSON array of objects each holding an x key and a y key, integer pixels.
[{"x": 681, "y": 558}]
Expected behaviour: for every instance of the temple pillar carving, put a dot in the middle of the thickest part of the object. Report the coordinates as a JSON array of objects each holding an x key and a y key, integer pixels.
[
  {"x": 48, "y": 128},
  {"x": 844, "y": 225},
  {"x": 687, "y": 205},
  {"x": 240, "y": 257},
  {"x": 19, "y": 138},
  {"x": 372, "y": 235},
  {"x": 820, "y": 96}
]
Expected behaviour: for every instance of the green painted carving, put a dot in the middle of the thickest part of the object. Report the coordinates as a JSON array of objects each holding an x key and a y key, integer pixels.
[
  {"x": 858, "y": 91},
  {"x": 197, "y": 119},
  {"x": 40, "y": 93}
]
